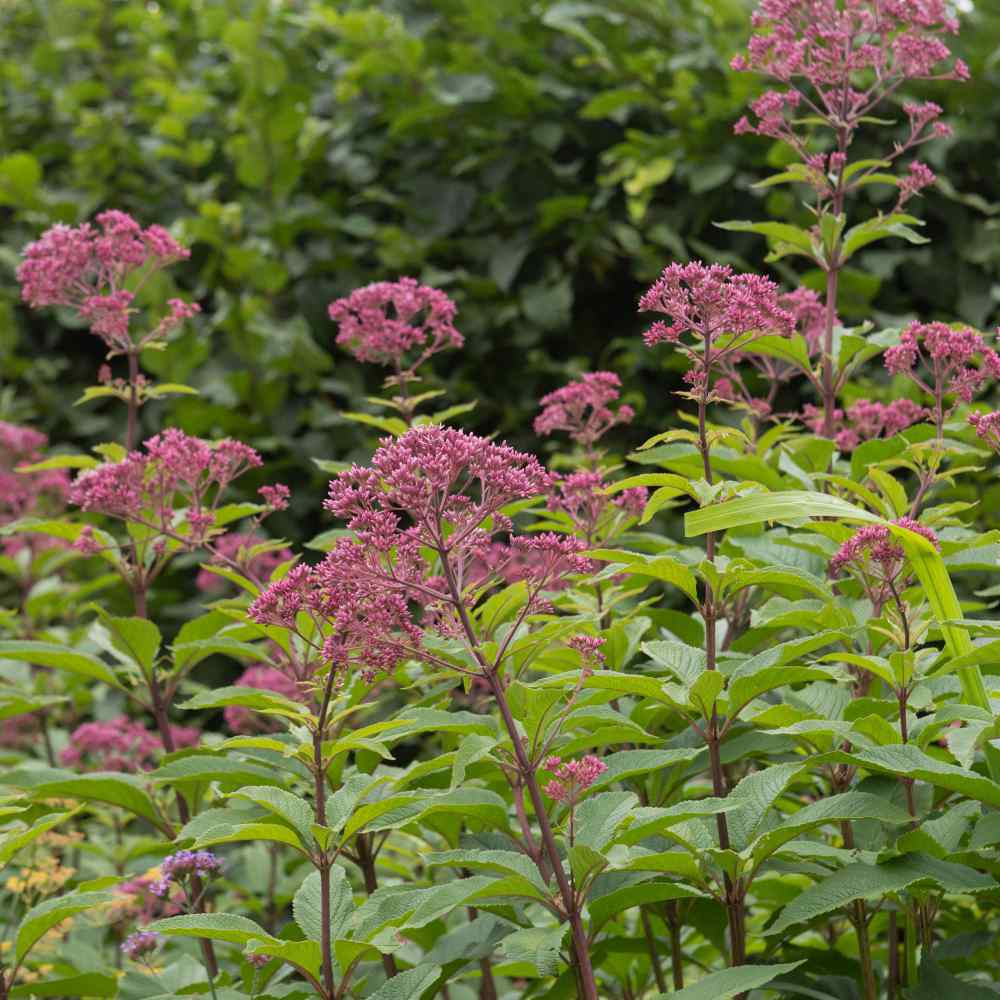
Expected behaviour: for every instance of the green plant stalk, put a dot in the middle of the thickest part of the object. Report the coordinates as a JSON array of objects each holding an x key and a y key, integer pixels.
[{"x": 911, "y": 948}]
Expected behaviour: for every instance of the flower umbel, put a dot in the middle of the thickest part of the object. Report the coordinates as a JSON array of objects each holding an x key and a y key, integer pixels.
[
  {"x": 583, "y": 409},
  {"x": 398, "y": 324},
  {"x": 85, "y": 268}
]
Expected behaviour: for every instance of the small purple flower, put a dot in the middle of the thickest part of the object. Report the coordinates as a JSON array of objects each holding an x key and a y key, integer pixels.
[
  {"x": 184, "y": 865},
  {"x": 140, "y": 944}
]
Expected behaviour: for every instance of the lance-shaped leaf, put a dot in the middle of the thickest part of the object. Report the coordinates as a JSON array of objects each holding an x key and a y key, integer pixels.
[
  {"x": 789, "y": 507},
  {"x": 409, "y": 985},
  {"x": 835, "y": 809},
  {"x": 215, "y": 926},
  {"x": 865, "y": 881},
  {"x": 125, "y": 790},
  {"x": 50, "y": 654},
  {"x": 908, "y": 761},
  {"x": 729, "y": 982},
  {"x": 307, "y": 905},
  {"x": 42, "y": 918}
]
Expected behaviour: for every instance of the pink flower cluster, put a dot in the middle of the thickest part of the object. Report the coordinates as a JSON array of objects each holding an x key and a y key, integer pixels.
[
  {"x": 920, "y": 176},
  {"x": 136, "y": 901},
  {"x": 432, "y": 476},
  {"x": 263, "y": 678},
  {"x": 707, "y": 301},
  {"x": 875, "y": 559},
  {"x": 580, "y": 496},
  {"x": 437, "y": 490},
  {"x": 120, "y": 745},
  {"x": 987, "y": 427},
  {"x": 589, "y": 648},
  {"x": 85, "y": 268},
  {"x": 26, "y": 493},
  {"x": 951, "y": 354},
  {"x": 808, "y": 314},
  {"x": 582, "y": 408},
  {"x": 829, "y": 42},
  {"x": 237, "y": 547},
  {"x": 573, "y": 777},
  {"x": 175, "y": 470},
  {"x": 866, "y": 420},
  {"x": 384, "y": 322},
  {"x": 140, "y": 944},
  {"x": 838, "y": 60},
  {"x": 184, "y": 865}
]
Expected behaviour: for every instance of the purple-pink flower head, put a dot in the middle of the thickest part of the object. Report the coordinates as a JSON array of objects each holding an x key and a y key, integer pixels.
[
  {"x": 831, "y": 44},
  {"x": 808, "y": 312},
  {"x": 183, "y": 866},
  {"x": 708, "y": 301},
  {"x": 399, "y": 324},
  {"x": 85, "y": 268},
  {"x": 589, "y": 648},
  {"x": 27, "y": 493},
  {"x": 581, "y": 496},
  {"x": 958, "y": 359},
  {"x": 987, "y": 427},
  {"x": 573, "y": 777},
  {"x": 140, "y": 944},
  {"x": 866, "y": 420},
  {"x": 875, "y": 558},
  {"x": 583, "y": 408},
  {"x": 120, "y": 745},
  {"x": 431, "y": 476},
  {"x": 175, "y": 470},
  {"x": 364, "y": 604}
]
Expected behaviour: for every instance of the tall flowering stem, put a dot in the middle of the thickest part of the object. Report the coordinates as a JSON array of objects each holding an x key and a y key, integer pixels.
[
  {"x": 173, "y": 490},
  {"x": 835, "y": 62},
  {"x": 426, "y": 517},
  {"x": 713, "y": 314}
]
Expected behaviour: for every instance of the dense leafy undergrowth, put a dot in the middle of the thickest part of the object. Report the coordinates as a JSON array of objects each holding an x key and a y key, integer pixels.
[{"x": 501, "y": 731}]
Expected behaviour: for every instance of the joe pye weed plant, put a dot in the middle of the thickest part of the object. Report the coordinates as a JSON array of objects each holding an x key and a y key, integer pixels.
[{"x": 710, "y": 719}]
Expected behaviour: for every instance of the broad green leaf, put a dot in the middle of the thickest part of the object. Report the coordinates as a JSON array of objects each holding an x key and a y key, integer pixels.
[
  {"x": 599, "y": 816},
  {"x": 125, "y": 790},
  {"x": 852, "y": 805},
  {"x": 729, "y": 982},
  {"x": 790, "y": 507},
  {"x": 232, "y": 833},
  {"x": 293, "y": 810},
  {"x": 503, "y": 862},
  {"x": 865, "y": 881},
  {"x": 779, "y": 231},
  {"x": 755, "y": 795},
  {"x": 214, "y": 926},
  {"x": 198, "y": 767},
  {"x": 307, "y": 905},
  {"x": 603, "y": 908},
  {"x": 935, "y": 983},
  {"x": 269, "y": 702},
  {"x": 11, "y": 841},
  {"x": 46, "y": 915},
  {"x": 49, "y": 654},
  {"x": 87, "y": 984},
  {"x": 409, "y": 985},
  {"x": 138, "y": 638},
  {"x": 629, "y": 763},
  {"x": 908, "y": 761}
]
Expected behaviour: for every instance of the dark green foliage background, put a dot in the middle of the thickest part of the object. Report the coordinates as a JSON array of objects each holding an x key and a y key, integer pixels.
[{"x": 540, "y": 161}]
